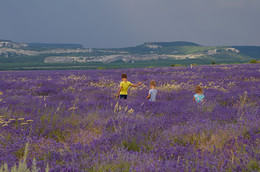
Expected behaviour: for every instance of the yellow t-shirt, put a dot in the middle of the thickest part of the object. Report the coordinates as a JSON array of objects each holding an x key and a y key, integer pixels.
[{"x": 124, "y": 87}]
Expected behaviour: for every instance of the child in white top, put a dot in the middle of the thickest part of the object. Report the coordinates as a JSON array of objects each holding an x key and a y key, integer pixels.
[{"x": 152, "y": 92}]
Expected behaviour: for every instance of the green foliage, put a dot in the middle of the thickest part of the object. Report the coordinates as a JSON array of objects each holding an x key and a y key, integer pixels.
[
  {"x": 22, "y": 167},
  {"x": 250, "y": 51},
  {"x": 253, "y": 166},
  {"x": 172, "y": 44},
  {"x": 195, "y": 49},
  {"x": 121, "y": 166},
  {"x": 131, "y": 145},
  {"x": 137, "y": 64},
  {"x": 20, "y": 153},
  {"x": 213, "y": 62},
  {"x": 253, "y": 61},
  {"x": 173, "y": 65}
]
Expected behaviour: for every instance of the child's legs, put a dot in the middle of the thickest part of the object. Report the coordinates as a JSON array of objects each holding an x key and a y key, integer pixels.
[{"x": 123, "y": 96}]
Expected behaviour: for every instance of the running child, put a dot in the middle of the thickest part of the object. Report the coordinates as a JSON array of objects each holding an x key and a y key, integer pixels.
[{"x": 124, "y": 85}]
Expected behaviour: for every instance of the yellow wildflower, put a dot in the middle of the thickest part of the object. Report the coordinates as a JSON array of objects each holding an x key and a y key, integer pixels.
[
  {"x": 24, "y": 123},
  {"x": 126, "y": 108},
  {"x": 5, "y": 125},
  {"x": 1, "y": 93},
  {"x": 131, "y": 111},
  {"x": 11, "y": 119},
  {"x": 1, "y": 116},
  {"x": 116, "y": 107},
  {"x": 20, "y": 119},
  {"x": 29, "y": 120},
  {"x": 72, "y": 108}
]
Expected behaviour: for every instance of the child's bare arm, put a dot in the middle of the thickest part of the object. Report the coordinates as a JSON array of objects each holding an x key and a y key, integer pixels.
[
  {"x": 193, "y": 98},
  {"x": 149, "y": 96},
  {"x": 119, "y": 91},
  {"x": 137, "y": 84}
]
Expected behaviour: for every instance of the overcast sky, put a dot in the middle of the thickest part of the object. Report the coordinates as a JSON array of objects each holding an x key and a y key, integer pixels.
[{"x": 122, "y": 23}]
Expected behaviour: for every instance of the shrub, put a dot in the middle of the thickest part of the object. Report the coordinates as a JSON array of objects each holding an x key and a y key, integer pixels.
[
  {"x": 175, "y": 65},
  {"x": 253, "y": 61}
]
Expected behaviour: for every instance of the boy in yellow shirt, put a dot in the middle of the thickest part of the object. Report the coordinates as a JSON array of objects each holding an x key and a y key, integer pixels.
[{"x": 124, "y": 85}]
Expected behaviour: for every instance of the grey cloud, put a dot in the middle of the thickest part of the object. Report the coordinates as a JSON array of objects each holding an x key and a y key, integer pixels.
[{"x": 121, "y": 23}]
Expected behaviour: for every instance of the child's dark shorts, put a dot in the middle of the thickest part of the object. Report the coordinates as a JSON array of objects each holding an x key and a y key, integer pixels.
[{"x": 123, "y": 96}]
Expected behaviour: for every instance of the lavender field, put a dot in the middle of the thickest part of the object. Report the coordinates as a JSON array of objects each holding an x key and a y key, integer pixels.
[{"x": 72, "y": 120}]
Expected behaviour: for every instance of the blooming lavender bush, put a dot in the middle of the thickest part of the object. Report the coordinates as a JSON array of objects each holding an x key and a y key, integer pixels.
[{"x": 73, "y": 121}]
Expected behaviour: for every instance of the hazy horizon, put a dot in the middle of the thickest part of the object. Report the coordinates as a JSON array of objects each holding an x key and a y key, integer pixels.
[{"x": 116, "y": 23}]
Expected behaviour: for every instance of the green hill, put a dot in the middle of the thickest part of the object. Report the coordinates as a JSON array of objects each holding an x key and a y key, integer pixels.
[
  {"x": 15, "y": 56},
  {"x": 172, "y": 44},
  {"x": 250, "y": 51}
]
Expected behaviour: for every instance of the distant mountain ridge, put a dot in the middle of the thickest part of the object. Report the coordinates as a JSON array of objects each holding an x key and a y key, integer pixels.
[
  {"x": 57, "y": 45},
  {"x": 9, "y": 43},
  {"x": 152, "y": 53},
  {"x": 251, "y": 51},
  {"x": 170, "y": 44}
]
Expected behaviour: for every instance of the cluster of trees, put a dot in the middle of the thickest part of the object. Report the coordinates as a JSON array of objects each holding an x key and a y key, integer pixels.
[{"x": 254, "y": 61}]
